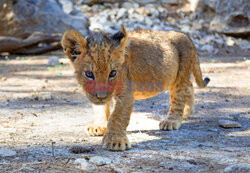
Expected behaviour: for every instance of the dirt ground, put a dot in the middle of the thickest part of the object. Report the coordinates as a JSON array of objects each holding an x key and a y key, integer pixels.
[{"x": 41, "y": 105}]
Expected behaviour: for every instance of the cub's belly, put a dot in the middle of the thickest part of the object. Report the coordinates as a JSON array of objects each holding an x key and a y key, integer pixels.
[
  {"x": 145, "y": 95},
  {"x": 143, "y": 90}
]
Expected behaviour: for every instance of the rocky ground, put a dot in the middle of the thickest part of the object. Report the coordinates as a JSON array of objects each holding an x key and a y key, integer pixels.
[
  {"x": 43, "y": 114},
  {"x": 206, "y": 26},
  {"x": 215, "y": 26}
]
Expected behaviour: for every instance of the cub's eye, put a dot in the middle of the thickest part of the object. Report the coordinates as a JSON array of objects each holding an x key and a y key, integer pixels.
[
  {"x": 112, "y": 74},
  {"x": 89, "y": 75}
]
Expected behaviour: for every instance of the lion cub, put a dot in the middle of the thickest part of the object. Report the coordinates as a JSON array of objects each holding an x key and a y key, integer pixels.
[{"x": 128, "y": 66}]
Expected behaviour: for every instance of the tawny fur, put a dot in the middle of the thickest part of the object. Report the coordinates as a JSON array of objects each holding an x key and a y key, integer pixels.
[{"x": 147, "y": 63}]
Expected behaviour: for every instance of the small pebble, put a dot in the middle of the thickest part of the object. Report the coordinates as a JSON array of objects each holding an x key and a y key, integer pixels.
[
  {"x": 229, "y": 124},
  {"x": 84, "y": 164},
  {"x": 47, "y": 96},
  {"x": 99, "y": 161},
  {"x": 53, "y": 61},
  {"x": 213, "y": 130}
]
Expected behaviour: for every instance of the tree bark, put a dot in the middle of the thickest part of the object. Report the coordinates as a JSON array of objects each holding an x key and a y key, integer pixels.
[{"x": 36, "y": 43}]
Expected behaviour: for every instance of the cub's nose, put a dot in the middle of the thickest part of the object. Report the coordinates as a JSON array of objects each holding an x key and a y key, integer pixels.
[{"x": 101, "y": 95}]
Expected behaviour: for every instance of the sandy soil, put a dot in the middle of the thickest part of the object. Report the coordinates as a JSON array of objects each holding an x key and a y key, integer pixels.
[{"x": 40, "y": 105}]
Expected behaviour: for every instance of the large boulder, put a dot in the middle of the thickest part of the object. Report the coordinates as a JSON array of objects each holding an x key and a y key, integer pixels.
[
  {"x": 20, "y": 18},
  {"x": 232, "y": 17},
  {"x": 23, "y": 20}
]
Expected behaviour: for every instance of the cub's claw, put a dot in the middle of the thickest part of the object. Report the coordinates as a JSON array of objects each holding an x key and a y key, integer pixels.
[
  {"x": 115, "y": 142},
  {"x": 96, "y": 131},
  {"x": 170, "y": 124}
]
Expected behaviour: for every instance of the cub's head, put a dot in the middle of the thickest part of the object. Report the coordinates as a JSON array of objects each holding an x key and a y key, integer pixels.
[{"x": 97, "y": 60}]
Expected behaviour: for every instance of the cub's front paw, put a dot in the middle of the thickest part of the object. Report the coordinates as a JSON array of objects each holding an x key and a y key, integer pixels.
[
  {"x": 170, "y": 124},
  {"x": 116, "y": 142},
  {"x": 96, "y": 131}
]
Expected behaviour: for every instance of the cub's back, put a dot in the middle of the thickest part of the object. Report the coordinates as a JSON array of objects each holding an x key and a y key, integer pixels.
[
  {"x": 163, "y": 38},
  {"x": 154, "y": 55}
]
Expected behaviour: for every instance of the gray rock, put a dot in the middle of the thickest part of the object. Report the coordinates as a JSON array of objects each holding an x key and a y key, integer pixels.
[
  {"x": 227, "y": 16},
  {"x": 157, "y": 27},
  {"x": 85, "y": 8},
  {"x": 185, "y": 28},
  {"x": 232, "y": 17},
  {"x": 230, "y": 41},
  {"x": 153, "y": 11},
  {"x": 203, "y": 5},
  {"x": 171, "y": 2},
  {"x": 243, "y": 44},
  {"x": 53, "y": 61},
  {"x": 157, "y": 21},
  {"x": 6, "y": 152},
  {"x": 121, "y": 13},
  {"x": 207, "y": 48},
  {"x": 97, "y": 7},
  {"x": 37, "y": 16},
  {"x": 219, "y": 39},
  {"x": 138, "y": 17},
  {"x": 47, "y": 96},
  {"x": 209, "y": 38},
  {"x": 229, "y": 124},
  {"x": 129, "y": 5},
  {"x": 68, "y": 6},
  {"x": 99, "y": 161},
  {"x": 84, "y": 165},
  {"x": 148, "y": 21},
  {"x": 242, "y": 168}
]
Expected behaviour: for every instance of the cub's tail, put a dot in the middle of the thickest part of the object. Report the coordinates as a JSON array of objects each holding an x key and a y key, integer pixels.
[{"x": 202, "y": 83}]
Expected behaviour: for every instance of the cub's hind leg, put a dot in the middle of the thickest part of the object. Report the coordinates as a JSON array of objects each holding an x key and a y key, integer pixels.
[
  {"x": 177, "y": 104},
  {"x": 98, "y": 127},
  {"x": 189, "y": 101}
]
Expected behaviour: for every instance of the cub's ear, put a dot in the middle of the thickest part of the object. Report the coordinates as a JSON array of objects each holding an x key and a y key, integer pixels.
[
  {"x": 120, "y": 39},
  {"x": 74, "y": 44}
]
